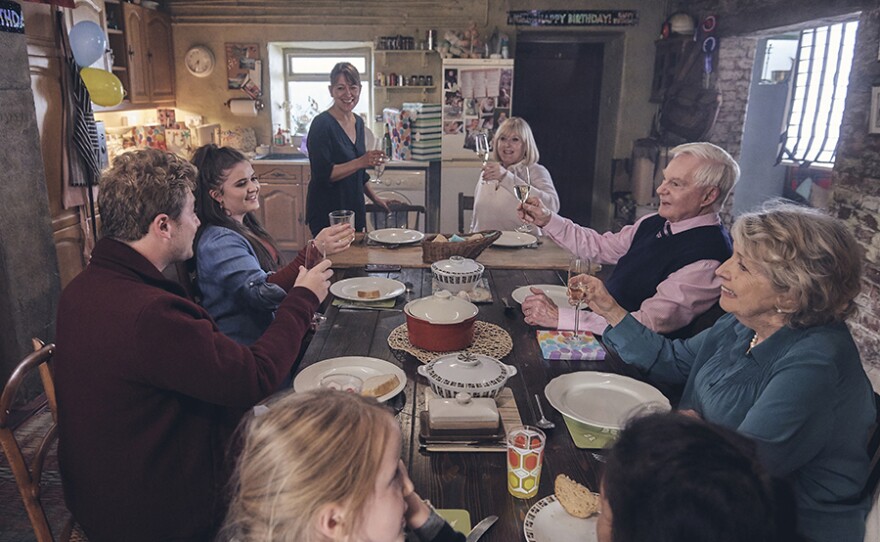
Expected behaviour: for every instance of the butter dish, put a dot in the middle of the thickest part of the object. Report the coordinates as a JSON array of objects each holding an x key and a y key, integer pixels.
[{"x": 462, "y": 412}]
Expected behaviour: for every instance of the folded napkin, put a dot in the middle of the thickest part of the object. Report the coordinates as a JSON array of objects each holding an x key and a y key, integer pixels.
[
  {"x": 554, "y": 346},
  {"x": 588, "y": 437},
  {"x": 385, "y": 304},
  {"x": 458, "y": 519}
]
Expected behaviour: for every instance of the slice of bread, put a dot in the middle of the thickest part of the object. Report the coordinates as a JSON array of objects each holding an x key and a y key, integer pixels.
[
  {"x": 369, "y": 294},
  {"x": 377, "y": 386},
  {"x": 576, "y": 499}
]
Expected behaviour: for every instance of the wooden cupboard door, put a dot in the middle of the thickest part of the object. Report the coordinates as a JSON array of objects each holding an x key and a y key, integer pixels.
[
  {"x": 160, "y": 56},
  {"x": 282, "y": 214},
  {"x": 135, "y": 50}
]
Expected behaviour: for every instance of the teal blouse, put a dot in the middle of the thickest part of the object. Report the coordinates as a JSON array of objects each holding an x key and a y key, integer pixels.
[{"x": 801, "y": 394}]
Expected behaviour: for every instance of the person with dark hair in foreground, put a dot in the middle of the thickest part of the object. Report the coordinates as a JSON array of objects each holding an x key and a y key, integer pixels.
[{"x": 673, "y": 478}]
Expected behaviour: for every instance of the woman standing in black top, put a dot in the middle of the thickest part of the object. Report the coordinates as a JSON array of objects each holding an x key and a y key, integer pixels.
[{"x": 338, "y": 155}]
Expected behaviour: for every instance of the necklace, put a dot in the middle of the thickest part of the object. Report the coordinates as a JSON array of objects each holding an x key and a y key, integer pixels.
[{"x": 752, "y": 343}]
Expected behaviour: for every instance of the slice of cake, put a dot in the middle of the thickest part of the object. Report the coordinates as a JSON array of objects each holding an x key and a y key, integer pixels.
[{"x": 576, "y": 499}]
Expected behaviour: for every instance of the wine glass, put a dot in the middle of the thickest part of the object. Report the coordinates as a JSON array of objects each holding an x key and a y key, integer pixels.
[
  {"x": 379, "y": 168},
  {"x": 481, "y": 140},
  {"x": 576, "y": 292},
  {"x": 315, "y": 254},
  {"x": 522, "y": 193}
]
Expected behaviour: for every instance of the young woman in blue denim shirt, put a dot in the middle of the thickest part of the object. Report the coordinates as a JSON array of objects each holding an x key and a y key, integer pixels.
[{"x": 241, "y": 275}]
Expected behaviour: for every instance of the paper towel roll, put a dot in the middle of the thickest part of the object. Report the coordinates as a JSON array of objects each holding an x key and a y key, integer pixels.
[{"x": 243, "y": 107}]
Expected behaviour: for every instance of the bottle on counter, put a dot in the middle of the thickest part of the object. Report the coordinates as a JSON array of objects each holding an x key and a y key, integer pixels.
[
  {"x": 279, "y": 137},
  {"x": 386, "y": 143}
]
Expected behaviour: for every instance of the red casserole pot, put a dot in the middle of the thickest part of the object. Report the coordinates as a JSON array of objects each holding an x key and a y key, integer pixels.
[{"x": 441, "y": 322}]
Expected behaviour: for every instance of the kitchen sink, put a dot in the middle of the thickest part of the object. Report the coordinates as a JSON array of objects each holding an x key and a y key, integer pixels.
[{"x": 283, "y": 156}]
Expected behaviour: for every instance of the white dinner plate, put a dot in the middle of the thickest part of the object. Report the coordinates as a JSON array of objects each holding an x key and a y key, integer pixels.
[
  {"x": 515, "y": 239},
  {"x": 348, "y": 288},
  {"x": 557, "y": 294},
  {"x": 602, "y": 400},
  {"x": 547, "y": 521},
  {"x": 348, "y": 368},
  {"x": 395, "y": 236}
]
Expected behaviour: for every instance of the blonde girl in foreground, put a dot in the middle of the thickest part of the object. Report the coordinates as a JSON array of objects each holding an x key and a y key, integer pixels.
[{"x": 322, "y": 466}]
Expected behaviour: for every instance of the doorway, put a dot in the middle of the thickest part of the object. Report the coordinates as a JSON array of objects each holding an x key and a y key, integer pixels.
[{"x": 557, "y": 87}]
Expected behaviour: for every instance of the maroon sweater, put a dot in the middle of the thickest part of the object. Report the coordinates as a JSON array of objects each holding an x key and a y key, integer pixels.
[{"x": 149, "y": 392}]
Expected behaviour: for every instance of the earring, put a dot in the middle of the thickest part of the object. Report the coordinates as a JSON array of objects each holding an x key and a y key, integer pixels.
[
  {"x": 778, "y": 310},
  {"x": 223, "y": 208}
]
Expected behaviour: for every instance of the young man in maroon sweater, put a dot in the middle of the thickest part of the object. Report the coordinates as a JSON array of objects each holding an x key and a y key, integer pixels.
[{"x": 149, "y": 390}]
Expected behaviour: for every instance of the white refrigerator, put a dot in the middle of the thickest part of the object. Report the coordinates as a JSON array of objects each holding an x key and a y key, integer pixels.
[{"x": 477, "y": 96}]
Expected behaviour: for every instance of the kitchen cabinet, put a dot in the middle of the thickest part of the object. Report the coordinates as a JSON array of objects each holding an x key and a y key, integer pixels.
[
  {"x": 142, "y": 51},
  {"x": 668, "y": 57},
  {"x": 283, "y": 204},
  {"x": 406, "y": 63}
]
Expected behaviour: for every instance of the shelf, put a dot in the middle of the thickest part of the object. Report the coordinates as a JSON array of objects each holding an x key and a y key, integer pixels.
[
  {"x": 115, "y": 31},
  {"x": 119, "y": 68},
  {"x": 422, "y": 52},
  {"x": 408, "y": 87}
]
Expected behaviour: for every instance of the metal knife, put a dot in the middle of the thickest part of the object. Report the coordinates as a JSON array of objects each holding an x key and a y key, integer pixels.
[
  {"x": 359, "y": 308},
  {"x": 481, "y": 529}
]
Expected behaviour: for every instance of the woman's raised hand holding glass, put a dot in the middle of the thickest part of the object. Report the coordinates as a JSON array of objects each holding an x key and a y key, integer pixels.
[
  {"x": 481, "y": 141},
  {"x": 522, "y": 192},
  {"x": 379, "y": 166},
  {"x": 576, "y": 292}
]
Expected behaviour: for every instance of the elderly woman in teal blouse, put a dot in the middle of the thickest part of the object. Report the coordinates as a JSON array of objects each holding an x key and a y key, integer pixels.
[{"x": 781, "y": 367}]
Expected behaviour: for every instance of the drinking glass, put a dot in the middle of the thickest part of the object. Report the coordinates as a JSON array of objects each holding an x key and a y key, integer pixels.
[
  {"x": 576, "y": 292},
  {"x": 315, "y": 254},
  {"x": 525, "y": 454},
  {"x": 522, "y": 193},
  {"x": 481, "y": 140},
  {"x": 378, "y": 145},
  {"x": 342, "y": 216}
]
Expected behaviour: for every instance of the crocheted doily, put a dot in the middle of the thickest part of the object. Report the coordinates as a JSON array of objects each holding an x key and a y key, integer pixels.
[{"x": 489, "y": 340}]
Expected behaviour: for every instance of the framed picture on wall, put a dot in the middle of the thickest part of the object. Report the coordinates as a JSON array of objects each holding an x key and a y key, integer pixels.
[
  {"x": 241, "y": 60},
  {"x": 874, "y": 122}
]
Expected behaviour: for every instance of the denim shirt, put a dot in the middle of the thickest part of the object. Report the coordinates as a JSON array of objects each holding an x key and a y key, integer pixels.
[
  {"x": 233, "y": 285},
  {"x": 801, "y": 394}
]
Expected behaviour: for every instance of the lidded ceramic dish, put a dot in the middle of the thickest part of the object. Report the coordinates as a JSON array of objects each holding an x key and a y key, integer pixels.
[
  {"x": 476, "y": 374},
  {"x": 440, "y": 322},
  {"x": 457, "y": 274}
]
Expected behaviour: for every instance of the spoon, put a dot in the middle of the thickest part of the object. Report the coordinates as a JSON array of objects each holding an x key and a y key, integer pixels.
[
  {"x": 409, "y": 288},
  {"x": 543, "y": 423},
  {"x": 508, "y": 310}
]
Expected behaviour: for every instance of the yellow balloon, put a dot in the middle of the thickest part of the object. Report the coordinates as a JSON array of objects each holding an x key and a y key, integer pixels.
[{"x": 104, "y": 88}]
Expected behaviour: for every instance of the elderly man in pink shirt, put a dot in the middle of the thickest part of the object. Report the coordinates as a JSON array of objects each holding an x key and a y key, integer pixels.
[{"x": 665, "y": 262}]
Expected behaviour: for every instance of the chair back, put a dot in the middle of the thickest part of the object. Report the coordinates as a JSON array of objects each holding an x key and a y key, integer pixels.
[
  {"x": 402, "y": 215},
  {"x": 28, "y": 471},
  {"x": 465, "y": 203}
]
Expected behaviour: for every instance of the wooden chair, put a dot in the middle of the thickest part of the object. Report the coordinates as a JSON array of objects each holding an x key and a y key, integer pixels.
[
  {"x": 465, "y": 203},
  {"x": 28, "y": 471},
  {"x": 402, "y": 215}
]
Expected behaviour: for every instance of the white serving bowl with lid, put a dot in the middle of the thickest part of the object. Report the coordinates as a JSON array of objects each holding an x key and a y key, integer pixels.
[
  {"x": 457, "y": 274},
  {"x": 465, "y": 372},
  {"x": 440, "y": 322}
]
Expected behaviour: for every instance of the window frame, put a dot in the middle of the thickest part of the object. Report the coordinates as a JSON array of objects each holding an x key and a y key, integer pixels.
[
  {"x": 805, "y": 102},
  {"x": 326, "y": 50}
]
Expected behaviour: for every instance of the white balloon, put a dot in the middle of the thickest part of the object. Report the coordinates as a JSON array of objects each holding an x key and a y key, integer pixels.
[{"x": 88, "y": 42}]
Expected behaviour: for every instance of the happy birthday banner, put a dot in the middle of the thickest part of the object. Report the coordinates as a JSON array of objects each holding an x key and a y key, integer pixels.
[{"x": 592, "y": 17}]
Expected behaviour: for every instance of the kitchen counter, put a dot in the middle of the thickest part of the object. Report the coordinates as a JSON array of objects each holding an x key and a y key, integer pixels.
[{"x": 301, "y": 159}]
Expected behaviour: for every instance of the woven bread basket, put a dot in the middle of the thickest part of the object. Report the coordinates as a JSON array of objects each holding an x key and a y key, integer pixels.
[{"x": 433, "y": 252}]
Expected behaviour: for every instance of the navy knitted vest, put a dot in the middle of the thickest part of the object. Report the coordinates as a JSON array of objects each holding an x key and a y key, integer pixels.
[{"x": 650, "y": 260}]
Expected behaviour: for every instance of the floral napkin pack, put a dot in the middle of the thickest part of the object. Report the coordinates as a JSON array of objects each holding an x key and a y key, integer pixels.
[{"x": 555, "y": 345}]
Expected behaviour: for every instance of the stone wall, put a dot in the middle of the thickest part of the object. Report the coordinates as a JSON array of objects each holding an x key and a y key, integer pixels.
[{"x": 856, "y": 175}]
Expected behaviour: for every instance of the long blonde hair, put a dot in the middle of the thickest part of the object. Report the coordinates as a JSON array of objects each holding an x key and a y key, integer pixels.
[{"x": 309, "y": 450}]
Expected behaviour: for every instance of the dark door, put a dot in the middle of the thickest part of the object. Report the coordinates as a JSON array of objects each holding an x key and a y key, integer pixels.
[{"x": 556, "y": 90}]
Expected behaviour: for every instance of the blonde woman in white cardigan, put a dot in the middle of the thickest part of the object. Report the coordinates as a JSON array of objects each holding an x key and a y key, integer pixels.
[{"x": 495, "y": 201}]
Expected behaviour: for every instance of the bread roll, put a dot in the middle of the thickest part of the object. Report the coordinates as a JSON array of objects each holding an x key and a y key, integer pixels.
[
  {"x": 440, "y": 239},
  {"x": 576, "y": 499},
  {"x": 377, "y": 386},
  {"x": 369, "y": 294}
]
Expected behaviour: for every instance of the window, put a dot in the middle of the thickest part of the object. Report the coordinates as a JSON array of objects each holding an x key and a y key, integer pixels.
[
  {"x": 824, "y": 59},
  {"x": 307, "y": 76}
]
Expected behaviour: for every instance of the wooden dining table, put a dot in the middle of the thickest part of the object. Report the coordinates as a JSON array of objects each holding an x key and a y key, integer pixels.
[
  {"x": 474, "y": 481},
  {"x": 546, "y": 254}
]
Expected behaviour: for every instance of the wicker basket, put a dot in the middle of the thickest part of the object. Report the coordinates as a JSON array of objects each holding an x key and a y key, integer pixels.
[{"x": 433, "y": 252}]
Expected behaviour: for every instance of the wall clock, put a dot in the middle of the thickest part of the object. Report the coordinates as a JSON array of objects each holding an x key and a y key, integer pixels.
[{"x": 199, "y": 61}]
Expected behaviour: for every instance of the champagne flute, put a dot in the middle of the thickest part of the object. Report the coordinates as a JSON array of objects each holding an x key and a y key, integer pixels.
[
  {"x": 522, "y": 193},
  {"x": 380, "y": 167},
  {"x": 315, "y": 254},
  {"x": 576, "y": 292},
  {"x": 481, "y": 140}
]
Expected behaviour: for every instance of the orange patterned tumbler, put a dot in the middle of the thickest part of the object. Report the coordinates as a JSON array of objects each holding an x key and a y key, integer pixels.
[{"x": 525, "y": 454}]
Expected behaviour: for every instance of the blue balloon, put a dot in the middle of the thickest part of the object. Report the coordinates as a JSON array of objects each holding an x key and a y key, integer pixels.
[{"x": 88, "y": 42}]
